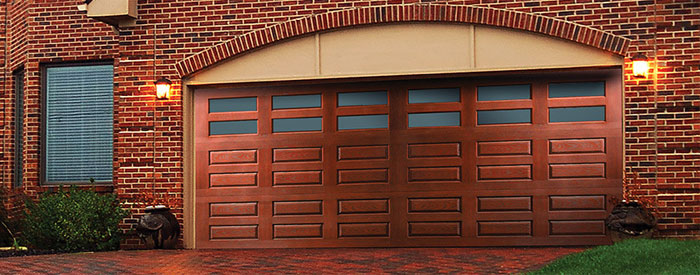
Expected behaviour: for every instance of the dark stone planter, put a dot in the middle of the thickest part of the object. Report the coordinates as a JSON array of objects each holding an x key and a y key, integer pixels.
[
  {"x": 158, "y": 228},
  {"x": 630, "y": 220}
]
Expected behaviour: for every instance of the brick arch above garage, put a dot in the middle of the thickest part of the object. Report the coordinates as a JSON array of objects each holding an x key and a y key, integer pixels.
[{"x": 438, "y": 13}]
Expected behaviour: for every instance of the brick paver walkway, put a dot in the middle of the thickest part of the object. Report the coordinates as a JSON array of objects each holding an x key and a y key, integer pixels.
[{"x": 390, "y": 260}]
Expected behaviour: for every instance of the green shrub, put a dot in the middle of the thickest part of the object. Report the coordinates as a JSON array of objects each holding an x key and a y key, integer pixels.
[
  {"x": 80, "y": 220},
  {"x": 5, "y": 237},
  {"x": 7, "y": 227},
  {"x": 7, "y": 231}
]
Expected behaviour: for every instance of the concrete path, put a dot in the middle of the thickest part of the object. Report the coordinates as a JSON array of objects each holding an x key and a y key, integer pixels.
[{"x": 329, "y": 261}]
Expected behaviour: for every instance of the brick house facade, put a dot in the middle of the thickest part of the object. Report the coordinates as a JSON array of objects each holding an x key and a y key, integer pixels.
[{"x": 661, "y": 113}]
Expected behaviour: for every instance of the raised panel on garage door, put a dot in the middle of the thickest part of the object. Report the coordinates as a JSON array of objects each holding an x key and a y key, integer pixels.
[{"x": 472, "y": 161}]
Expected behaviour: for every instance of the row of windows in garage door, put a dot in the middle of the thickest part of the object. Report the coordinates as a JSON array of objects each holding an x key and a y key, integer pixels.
[{"x": 415, "y": 96}]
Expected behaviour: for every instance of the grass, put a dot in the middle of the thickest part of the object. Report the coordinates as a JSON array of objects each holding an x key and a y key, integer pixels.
[{"x": 632, "y": 257}]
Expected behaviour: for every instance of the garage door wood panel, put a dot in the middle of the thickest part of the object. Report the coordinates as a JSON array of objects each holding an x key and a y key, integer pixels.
[{"x": 393, "y": 185}]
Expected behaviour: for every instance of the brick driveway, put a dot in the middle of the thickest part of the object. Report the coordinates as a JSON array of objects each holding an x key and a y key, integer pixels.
[{"x": 390, "y": 260}]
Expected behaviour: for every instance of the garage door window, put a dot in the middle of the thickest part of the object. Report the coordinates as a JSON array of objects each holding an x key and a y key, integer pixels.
[
  {"x": 433, "y": 95},
  {"x": 573, "y": 89},
  {"x": 363, "y": 122},
  {"x": 504, "y": 116},
  {"x": 296, "y": 101},
  {"x": 242, "y": 104},
  {"x": 362, "y": 98},
  {"x": 305, "y": 124},
  {"x": 509, "y": 92},
  {"x": 434, "y": 119},
  {"x": 233, "y": 127},
  {"x": 576, "y": 114}
]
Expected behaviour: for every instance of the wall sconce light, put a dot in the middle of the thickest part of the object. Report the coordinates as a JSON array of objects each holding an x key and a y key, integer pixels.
[
  {"x": 163, "y": 88},
  {"x": 640, "y": 66}
]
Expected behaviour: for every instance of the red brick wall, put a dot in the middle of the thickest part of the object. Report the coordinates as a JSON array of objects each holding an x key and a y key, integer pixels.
[
  {"x": 3, "y": 108},
  {"x": 677, "y": 47},
  {"x": 42, "y": 32},
  {"x": 13, "y": 56},
  {"x": 662, "y": 117}
]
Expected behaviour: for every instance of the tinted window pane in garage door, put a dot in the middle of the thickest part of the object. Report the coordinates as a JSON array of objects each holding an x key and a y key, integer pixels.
[
  {"x": 296, "y": 101},
  {"x": 509, "y": 92},
  {"x": 362, "y": 98},
  {"x": 233, "y": 127},
  {"x": 433, "y": 95},
  {"x": 433, "y": 119},
  {"x": 363, "y": 122},
  {"x": 305, "y": 124},
  {"x": 576, "y": 89},
  {"x": 574, "y": 114},
  {"x": 242, "y": 104},
  {"x": 504, "y": 116}
]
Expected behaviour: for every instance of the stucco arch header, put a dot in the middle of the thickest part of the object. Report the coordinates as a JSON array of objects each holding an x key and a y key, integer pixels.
[
  {"x": 403, "y": 49},
  {"x": 403, "y": 13}
]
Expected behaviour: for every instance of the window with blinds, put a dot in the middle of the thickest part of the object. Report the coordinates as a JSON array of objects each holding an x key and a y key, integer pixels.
[{"x": 79, "y": 123}]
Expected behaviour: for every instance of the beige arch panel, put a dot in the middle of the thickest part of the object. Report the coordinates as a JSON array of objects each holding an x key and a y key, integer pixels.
[{"x": 404, "y": 49}]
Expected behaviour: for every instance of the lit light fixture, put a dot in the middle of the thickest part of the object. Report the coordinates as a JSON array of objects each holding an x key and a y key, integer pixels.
[
  {"x": 640, "y": 66},
  {"x": 163, "y": 88}
]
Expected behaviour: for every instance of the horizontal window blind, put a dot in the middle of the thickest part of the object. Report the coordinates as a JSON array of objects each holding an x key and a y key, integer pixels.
[{"x": 79, "y": 123}]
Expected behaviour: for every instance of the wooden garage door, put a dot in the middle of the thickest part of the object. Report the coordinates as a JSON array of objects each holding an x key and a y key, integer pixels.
[{"x": 489, "y": 161}]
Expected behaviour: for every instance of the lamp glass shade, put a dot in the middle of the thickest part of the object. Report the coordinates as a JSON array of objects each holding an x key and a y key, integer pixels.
[
  {"x": 640, "y": 66},
  {"x": 163, "y": 88}
]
